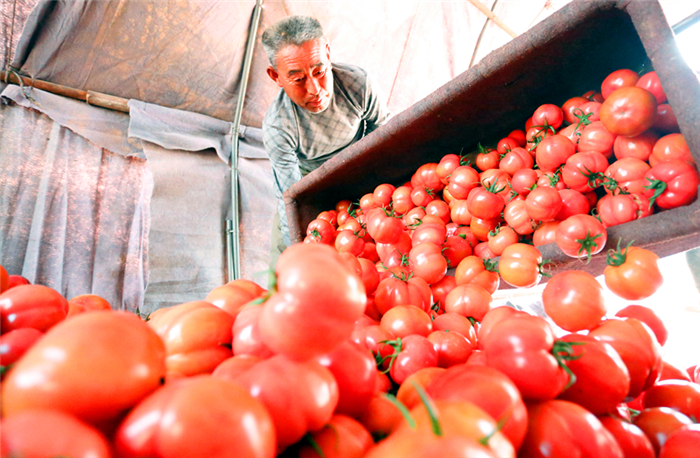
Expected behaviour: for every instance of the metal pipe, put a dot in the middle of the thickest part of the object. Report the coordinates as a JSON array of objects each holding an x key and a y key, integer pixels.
[
  {"x": 232, "y": 235},
  {"x": 687, "y": 22}
]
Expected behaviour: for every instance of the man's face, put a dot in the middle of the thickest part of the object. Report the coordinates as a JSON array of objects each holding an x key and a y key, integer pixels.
[{"x": 304, "y": 72}]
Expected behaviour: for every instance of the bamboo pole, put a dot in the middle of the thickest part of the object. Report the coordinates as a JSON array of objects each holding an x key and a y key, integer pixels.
[{"x": 489, "y": 14}]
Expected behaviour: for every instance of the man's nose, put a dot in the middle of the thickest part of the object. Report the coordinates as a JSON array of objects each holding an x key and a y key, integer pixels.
[{"x": 313, "y": 86}]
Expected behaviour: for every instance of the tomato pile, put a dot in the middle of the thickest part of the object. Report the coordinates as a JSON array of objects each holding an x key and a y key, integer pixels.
[{"x": 378, "y": 337}]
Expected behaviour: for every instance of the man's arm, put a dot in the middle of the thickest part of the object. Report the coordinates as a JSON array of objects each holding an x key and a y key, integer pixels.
[
  {"x": 376, "y": 111},
  {"x": 285, "y": 170}
]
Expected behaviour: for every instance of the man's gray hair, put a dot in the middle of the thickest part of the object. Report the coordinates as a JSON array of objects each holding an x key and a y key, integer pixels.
[{"x": 292, "y": 30}]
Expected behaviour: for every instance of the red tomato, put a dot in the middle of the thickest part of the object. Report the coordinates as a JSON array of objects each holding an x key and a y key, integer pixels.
[
  {"x": 632, "y": 273},
  {"x": 548, "y": 115},
  {"x": 309, "y": 278},
  {"x": 402, "y": 246},
  {"x": 426, "y": 177},
  {"x": 446, "y": 166},
  {"x": 473, "y": 269},
  {"x": 485, "y": 203},
  {"x": 342, "y": 437},
  {"x": 481, "y": 228},
  {"x": 401, "y": 200},
  {"x": 659, "y": 423},
  {"x": 628, "y": 111},
  {"x": 349, "y": 241},
  {"x": 573, "y": 299},
  {"x": 501, "y": 238},
  {"x": 469, "y": 300},
  {"x": 488, "y": 389},
  {"x": 671, "y": 372},
  {"x": 321, "y": 231},
  {"x": 628, "y": 175},
  {"x": 665, "y": 121},
  {"x": 545, "y": 233},
  {"x": 572, "y": 203},
  {"x": 31, "y": 306},
  {"x": 439, "y": 209},
  {"x": 581, "y": 236},
  {"x": 591, "y": 111},
  {"x": 672, "y": 184},
  {"x": 415, "y": 352},
  {"x": 564, "y": 429},
  {"x": 570, "y": 106},
  {"x": 523, "y": 181},
  {"x": 47, "y": 433},
  {"x": 638, "y": 348},
  {"x": 680, "y": 395},
  {"x": 516, "y": 159},
  {"x": 553, "y": 151},
  {"x": 383, "y": 226},
  {"x": 14, "y": 344},
  {"x": 591, "y": 358},
  {"x": 618, "y": 79},
  {"x": 354, "y": 369},
  {"x": 246, "y": 333},
  {"x": 407, "y": 393},
  {"x": 648, "y": 317},
  {"x": 331, "y": 216},
  {"x": 455, "y": 249},
  {"x": 519, "y": 136},
  {"x": 650, "y": 81},
  {"x": 372, "y": 338},
  {"x": 621, "y": 208},
  {"x": 405, "y": 320},
  {"x": 459, "y": 212},
  {"x": 683, "y": 443},
  {"x": 86, "y": 303},
  {"x": 671, "y": 147},
  {"x": 16, "y": 280},
  {"x": 521, "y": 265},
  {"x": 300, "y": 396},
  {"x": 631, "y": 439},
  {"x": 521, "y": 347},
  {"x": 197, "y": 415},
  {"x": 639, "y": 146},
  {"x": 235, "y": 366},
  {"x": 429, "y": 232},
  {"x": 382, "y": 194},
  {"x": 232, "y": 296},
  {"x": 442, "y": 288},
  {"x": 488, "y": 158},
  {"x": 596, "y": 138},
  {"x": 543, "y": 203},
  {"x": 516, "y": 216},
  {"x": 583, "y": 171},
  {"x": 462, "y": 181},
  {"x": 452, "y": 348},
  {"x": 4, "y": 280},
  {"x": 455, "y": 323},
  {"x": 124, "y": 352},
  {"x": 394, "y": 291},
  {"x": 189, "y": 350}
]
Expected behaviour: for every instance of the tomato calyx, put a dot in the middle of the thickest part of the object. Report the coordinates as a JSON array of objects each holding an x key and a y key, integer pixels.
[
  {"x": 435, "y": 425},
  {"x": 587, "y": 243},
  {"x": 314, "y": 445},
  {"x": 659, "y": 188},
  {"x": 583, "y": 119},
  {"x": 618, "y": 256},
  {"x": 397, "y": 345},
  {"x": 402, "y": 408},
  {"x": 493, "y": 187},
  {"x": 490, "y": 265},
  {"x": 562, "y": 352},
  {"x": 541, "y": 267}
]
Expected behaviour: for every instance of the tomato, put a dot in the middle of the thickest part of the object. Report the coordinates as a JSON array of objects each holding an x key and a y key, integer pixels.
[
  {"x": 86, "y": 303},
  {"x": 48, "y": 433},
  {"x": 404, "y": 320},
  {"x": 455, "y": 249},
  {"x": 473, "y": 269},
  {"x": 14, "y": 344},
  {"x": 628, "y": 111},
  {"x": 516, "y": 159},
  {"x": 353, "y": 367},
  {"x": 407, "y": 393},
  {"x": 488, "y": 389},
  {"x": 596, "y": 138},
  {"x": 383, "y": 226},
  {"x": 488, "y": 158},
  {"x": 485, "y": 203},
  {"x": 516, "y": 216},
  {"x": 562, "y": 429},
  {"x": 621, "y": 208},
  {"x": 426, "y": 177},
  {"x": 680, "y": 395},
  {"x": 648, "y": 317},
  {"x": 519, "y": 136},
  {"x": 650, "y": 81},
  {"x": 672, "y": 184},
  {"x": 402, "y": 246},
  {"x": 232, "y": 296},
  {"x": 666, "y": 121},
  {"x": 632, "y": 273},
  {"x": 4, "y": 280},
  {"x": 99, "y": 351},
  {"x": 31, "y": 306},
  {"x": 683, "y": 443},
  {"x": 321, "y": 231},
  {"x": 638, "y": 348},
  {"x": 459, "y": 212},
  {"x": 501, "y": 238},
  {"x": 342, "y": 437},
  {"x": 552, "y": 180},
  {"x": 582, "y": 172},
  {"x": 309, "y": 278},
  {"x": 572, "y": 203},
  {"x": 581, "y": 236},
  {"x": 570, "y": 107},
  {"x": 462, "y": 181},
  {"x": 523, "y": 181},
  {"x": 246, "y": 333},
  {"x": 591, "y": 111},
  {"x": 506, "y": 144},
  {"x": 394, "y": 291},
  {"x": 543, "y": 203},
  {"x": 553, "y": 151},
  {"x": 671, "y": 147},
  {"x": 481, "y": 227},
  {"x": 446, "y": 166},
  {"x": 382, "y": 194},
  {"x": 442, "y": 288},
  {"x": 631, "y": 439},
  {"x": 372, "y": 338},
  {"x": 639, "y": 146},
  {"x": 521, "y": 265},
  {"x": 452, "y": 348},
  {"x": 413, "y": 353},
  {"x": 671, "y": 372},
  {"x": 197, "y": 337},
  {"x": 573, "y": 299},
  {"x": 381, "y": 416},
  {"x": 349, "y": 241},
  {"x": 429, "y": 232},
  {"x": 469, "y": 300},
  {"x": 197, "y": 415},
  {"x": 590, "y": 358},
  {"x": 545, "y": 233},
  {"x": 439, "y": 209},
  {"x": 628, "y": 175},
  {"x": 329, "y": 215},
  {"x": 548, "y": 115},
  {"x": 401, "y": 200},
  {"x": 236, "y": 365},
  {"x": 455, "y": 323},
  {"x": 618, "y": 79},
  {"x": 660, "y": 423},
  {"x": 521, "y": 347},
  {"x": 593, "y": 95}
]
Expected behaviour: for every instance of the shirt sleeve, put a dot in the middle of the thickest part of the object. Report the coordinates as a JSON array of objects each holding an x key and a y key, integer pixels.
[
  {"x": 285, "y": 169},
  {"x": 376, "y": 111}
]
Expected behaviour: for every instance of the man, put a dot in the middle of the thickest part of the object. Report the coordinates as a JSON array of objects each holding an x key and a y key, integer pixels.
[{"x": 321, "y": 109}]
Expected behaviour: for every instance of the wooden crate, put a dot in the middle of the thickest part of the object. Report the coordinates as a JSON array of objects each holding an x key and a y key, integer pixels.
[{"x": 565, "y": 55}]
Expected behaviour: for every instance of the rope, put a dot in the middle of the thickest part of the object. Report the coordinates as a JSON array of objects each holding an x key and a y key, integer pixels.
[{"x": 481, "y": 35}]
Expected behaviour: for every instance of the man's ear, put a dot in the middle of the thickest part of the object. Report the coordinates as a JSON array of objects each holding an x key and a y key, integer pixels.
[{"x": 272, "y": 73}]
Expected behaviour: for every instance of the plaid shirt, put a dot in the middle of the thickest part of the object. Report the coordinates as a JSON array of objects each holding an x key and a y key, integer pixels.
[{"x": 299, "y": 141}]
